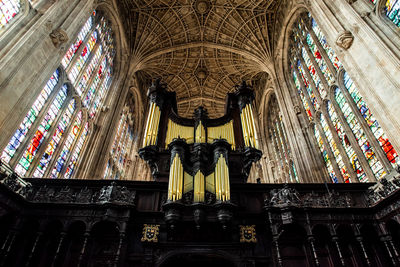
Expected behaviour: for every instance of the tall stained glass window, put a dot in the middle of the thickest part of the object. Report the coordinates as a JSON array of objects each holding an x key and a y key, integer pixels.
[
  {"x": 278, "y": 143},
  {"x": 53, "y": 134},
  {"x": 352, "y": 143},
  {"x": 391, "y": 10},
  {"x": 9, "y": 9},
  {"x": 122, "y": 145}
]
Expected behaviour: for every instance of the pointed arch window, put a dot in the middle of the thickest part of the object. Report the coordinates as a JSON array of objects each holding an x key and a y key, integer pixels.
[
  {"x": 391, "y": 8},
  {"x": 121, "y": 148},
  {"x": 352, "y": 143},
  {"x": 54, "y": 132},
  {"x": 278, "y": 143}
]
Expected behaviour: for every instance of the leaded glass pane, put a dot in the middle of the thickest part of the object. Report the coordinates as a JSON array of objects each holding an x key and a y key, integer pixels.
[
  {"x": 8, "y": 10},
  {"x": 30, "y": 118}
]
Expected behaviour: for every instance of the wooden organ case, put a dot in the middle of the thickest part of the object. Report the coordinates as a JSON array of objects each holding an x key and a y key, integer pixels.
[{"x": 200, "y": 157}]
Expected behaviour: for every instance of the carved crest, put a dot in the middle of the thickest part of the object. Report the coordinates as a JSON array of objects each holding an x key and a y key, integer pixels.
[
  {"x": 150, "y": 233},
  {"x": 248, "y": 234}
]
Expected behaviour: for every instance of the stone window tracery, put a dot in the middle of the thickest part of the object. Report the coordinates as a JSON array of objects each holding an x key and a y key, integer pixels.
[
  {"x": 390, "y": 8},
  {"x": 278, "y": 142},
  {"x": 353, "y": 145},
  {"x": 119, "y": 155},
  {"x": 51, "y": 137}
]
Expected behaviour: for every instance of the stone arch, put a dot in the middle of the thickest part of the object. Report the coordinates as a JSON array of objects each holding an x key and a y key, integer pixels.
[
  {"x": 292, "y": 244},
  {"x": 103, "y": 243},
  {"x": 21, "y": 250}
]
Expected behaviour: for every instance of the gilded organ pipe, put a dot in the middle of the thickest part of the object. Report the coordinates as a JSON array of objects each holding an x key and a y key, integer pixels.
[
  {"x": 187, "y": 182},
  {"x": 248, "y": 127},
  {"x": 210, "y": 183},
  {"x": 175, "y": 184},
  {"x": 254, "y": 126},
  {"x": 175, "y": 130},
  {"x": 224, "y": 131},
  {"x": 222, "y": 187}
]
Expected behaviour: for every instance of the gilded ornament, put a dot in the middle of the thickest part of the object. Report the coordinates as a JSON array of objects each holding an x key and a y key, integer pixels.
[
  {"x": 150, "y": 233},
  {"x": 248, "y": 234}
]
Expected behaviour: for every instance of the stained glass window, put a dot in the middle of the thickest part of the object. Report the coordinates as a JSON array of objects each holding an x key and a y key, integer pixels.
[
  {"x": 89, "y": 71},
  {"x": 30, "y": 118},
  {"x": 345, "y": 135},
  {"x": 302, "y": 97},
  {"x": 360, "y": 135},
  {"x": 78, "y": 42},
  {"x": 345, "y": 142},
  {"x": 41, "y": 133},
  {"x": 308, "y": 86},
  {"x": 83, "y": 57},
  {"x": 8, "y": 10},
  {"x": 328, "y": 163},
  {"x": 329, "y": 51},
  {"x": 73, "y": 161},
  {"x": 53, "y": 134},
  {"x": 92, "y": 89},
  {"x": 122, "y": 144},
  {"x": 373, "y": 124},
  {"x": 65, "y": 151},
  {"x": 313, "y": 73},
  {"x": 334, "y": 149},
  {"x": 56, "y": 138},
  {"x": 101, "y": 93},
  {"x": 320, "y": 60},
  {"x": 279, "y": 142},
  {"x": 392, "y": 9}
]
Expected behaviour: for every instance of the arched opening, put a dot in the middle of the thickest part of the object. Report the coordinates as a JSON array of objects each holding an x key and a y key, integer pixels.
[
  {"x": 323, "y": 245},
  {"x": 102, "y": 245},
  {"x": 47, "y": 245},
  {"x": 25, "y": 241},
  {"x": 292, "y": 245},
  {"x": 374, "y": 247},
  {"x": 349, "y": 246},
  {"x": 70, "y": 250}
]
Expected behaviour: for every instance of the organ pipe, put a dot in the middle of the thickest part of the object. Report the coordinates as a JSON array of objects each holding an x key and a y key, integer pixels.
[
  {"x": 248, "y": 127},
  {"x": 175, "y": 130},
  {"x": 175, "y": 183},
  {"x": 224, "y": 131},
  {"x": 222, "y": 187},
  {"x": 200, "y": 133},
  {"x": 187, "y": 182},
  {"x": 199, "y": 187},
  {"x": 152, "y": 124}
]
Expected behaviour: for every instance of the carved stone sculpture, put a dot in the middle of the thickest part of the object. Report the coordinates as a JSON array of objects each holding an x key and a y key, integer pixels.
[
  {"x": 345, "y": 39},
  {"x": 58, "y": 37}
]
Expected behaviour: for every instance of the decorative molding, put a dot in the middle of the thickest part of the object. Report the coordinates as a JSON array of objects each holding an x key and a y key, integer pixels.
[{"x": 345, "y": 39}]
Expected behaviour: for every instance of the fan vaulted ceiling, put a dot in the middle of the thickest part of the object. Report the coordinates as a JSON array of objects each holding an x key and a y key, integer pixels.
[{"x": 200, "y": 48}]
